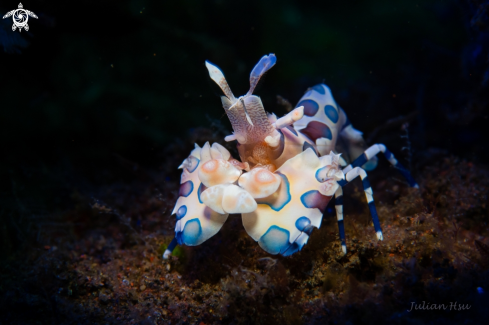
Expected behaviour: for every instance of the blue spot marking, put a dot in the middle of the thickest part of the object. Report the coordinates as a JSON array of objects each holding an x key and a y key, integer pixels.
[
  {"x": 307, "y": 145},
  {"x": 275, "y": 240},
  {"x": 280, "y": 198},
  {"x": 302, "y": 223},
  {"x": 193, "y": 163},
  {"x": 192, "y": 232},
  {"x": 319, "y": 88},
  {"x": 331, "y": 113},
  {"x": 201, "y": 189},
  {"x": 310, "y": 107},
  {"x": 347, "y": 122},
  {"x": 315, "y": 200},
  {"x": 186, "y": 189},
  {"x": 181, "y": 212},
  {"x": 315, "y": 130},
  {"x": 321, "y": 174},
  {"x": 307, "y": 199}
]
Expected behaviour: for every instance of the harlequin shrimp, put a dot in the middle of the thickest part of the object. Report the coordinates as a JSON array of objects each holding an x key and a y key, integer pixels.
[{"x": 287, "y": 173}]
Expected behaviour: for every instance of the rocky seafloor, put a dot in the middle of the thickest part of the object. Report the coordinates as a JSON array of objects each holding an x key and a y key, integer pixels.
[{"x": 101, "y": 261}]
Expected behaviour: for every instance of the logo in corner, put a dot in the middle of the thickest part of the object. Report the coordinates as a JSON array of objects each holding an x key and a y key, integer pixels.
[{"x": 20, "y": 17}]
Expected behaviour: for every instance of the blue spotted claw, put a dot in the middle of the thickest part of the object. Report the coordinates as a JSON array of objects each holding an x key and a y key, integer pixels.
[
  {"x": 196, "y": 222},
  {"x": 283, "y": 221}
]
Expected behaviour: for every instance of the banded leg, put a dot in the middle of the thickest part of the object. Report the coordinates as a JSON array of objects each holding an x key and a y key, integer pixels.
[
  {"x": 170, "y": 249},
  {"x": 375, "y": 150},
  {"x": 349, "y": 176},
  {"x": 338, "y": 196}
]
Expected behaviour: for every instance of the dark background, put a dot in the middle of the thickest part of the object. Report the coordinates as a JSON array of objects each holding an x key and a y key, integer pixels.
[{"x": 95, "y": 86}]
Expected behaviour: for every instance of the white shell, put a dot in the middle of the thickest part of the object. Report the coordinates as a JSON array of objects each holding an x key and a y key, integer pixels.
[
  {"x": 218, "y": 171},
  {"x": 237, "y": 200},
  {"x": 212, "y": 197},
  {"x": 259, "y": 182},
  {"x": 199, "y": 222},
  {"x": 196, "y": 151},
  {"x": 223, "y": 152},
  {"x": 205, "y": 153},
  {"x": 275, "y": 224},
  {"x": 228, "y": 198}
]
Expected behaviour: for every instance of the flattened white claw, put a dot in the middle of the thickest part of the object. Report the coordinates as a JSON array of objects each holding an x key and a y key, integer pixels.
[
  {"x": 260, "y": 182},
  {"x": 196, "y": 151},
  {"x": 215, "y": 154},
  {"x": 185, "y": 176},
  {"x": 205, "y": 153},
  {"x": 224, "y": 152},
  {"x": 329, "y": 174},
  {"x": 218, "y": 171},
  {"x": 325, "y": 160},
  {"x": 183, "y": 164},
  {"x": 237, "y": 200},
  {"x": 212, "y": 197}
]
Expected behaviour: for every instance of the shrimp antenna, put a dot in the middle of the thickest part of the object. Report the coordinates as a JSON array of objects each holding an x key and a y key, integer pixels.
[
  {"x": 265, "y": 64},
  {"x": 216, "y": 74}
]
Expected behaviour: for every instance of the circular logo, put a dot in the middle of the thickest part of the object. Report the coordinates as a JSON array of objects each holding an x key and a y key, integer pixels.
[{"x": 20, "y": 17}]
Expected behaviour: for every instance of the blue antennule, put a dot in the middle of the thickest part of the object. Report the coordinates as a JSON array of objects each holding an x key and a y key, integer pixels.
[{"x": 265, "y": 64}]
